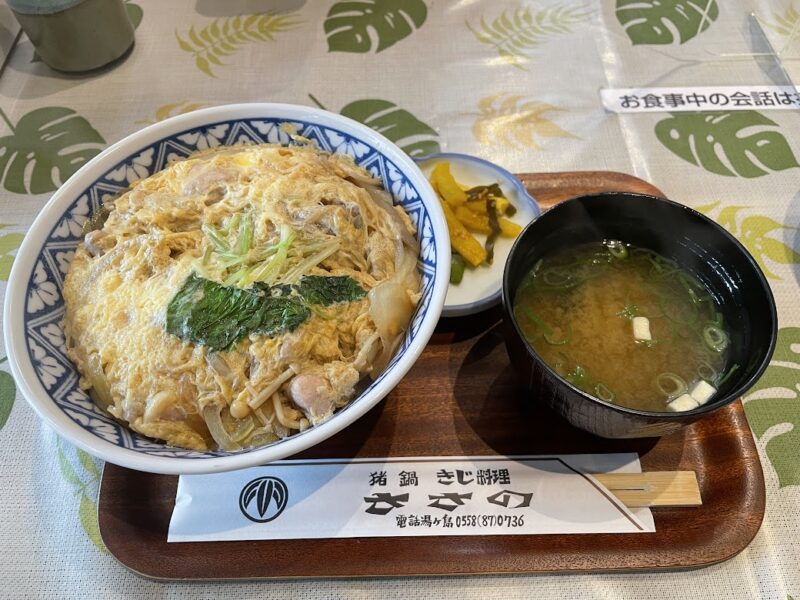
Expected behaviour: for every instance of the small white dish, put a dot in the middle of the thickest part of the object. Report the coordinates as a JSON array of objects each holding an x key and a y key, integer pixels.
[{"x": 481, "y": 287}]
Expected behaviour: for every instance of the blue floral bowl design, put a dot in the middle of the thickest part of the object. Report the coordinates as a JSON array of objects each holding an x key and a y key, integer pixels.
[{"x": 34, "y": 306}]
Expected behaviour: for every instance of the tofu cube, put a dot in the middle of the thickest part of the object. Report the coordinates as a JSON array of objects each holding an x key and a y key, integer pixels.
[
  {"x": 702, "y": 392},
  {"x": 641, "y": 329},
  {"x": 682, "y": 403}
]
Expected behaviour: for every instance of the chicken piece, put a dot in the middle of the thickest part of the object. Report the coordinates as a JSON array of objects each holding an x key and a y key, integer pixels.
[
  {"x": 314, "y": 395},
  {"x": 204, "y": 176}
]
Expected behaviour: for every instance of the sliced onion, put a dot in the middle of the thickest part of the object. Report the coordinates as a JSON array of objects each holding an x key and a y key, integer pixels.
[
  {"x": 213, "y": 418},
  {"x": 244, "y": 427},
  {"x": 218, "y": 364},
  {"x": 261, "y": 437},
  {"x": 367, "y": 352},
  {"x": 390, "y": 309},
  {"x": 100, "y": 391},
  {"x": 383, "y": 199}
]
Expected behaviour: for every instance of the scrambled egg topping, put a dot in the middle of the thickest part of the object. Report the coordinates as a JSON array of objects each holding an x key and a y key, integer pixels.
[{"x": 263, "y": 387}]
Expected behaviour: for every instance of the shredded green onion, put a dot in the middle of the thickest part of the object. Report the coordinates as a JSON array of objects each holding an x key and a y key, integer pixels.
[
  {"x": 617, "y": 249},
  {"x": 554, "y": 341},
  {"x": 723, "y": 378},
  {"x": 560, "y": 365},
  {"x": 671, "y": 385},
  {"x": 579, "y": 377},
  {"x": 695, "y": 298},
  {"x": 546, "y": 329},
  {"x": 557, "y": 278},
  {"x": 629, "y": 312},
  {"x": 647, "y": 343},
  {"x": 245, "y": 238},
  {"x": 674, "y": 314},
  {"x": 603, "y": 392},
  {"x": 715, "y": 338},
  {"x": 268, "y": 271},
  {"x": 303, "y": 267},
  {"x": 706, "y": 371},
  {"x": 216, "y": 238}
]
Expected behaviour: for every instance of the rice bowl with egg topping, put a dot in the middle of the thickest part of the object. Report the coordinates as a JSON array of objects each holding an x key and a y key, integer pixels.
[{"x": 239, "y": 296}]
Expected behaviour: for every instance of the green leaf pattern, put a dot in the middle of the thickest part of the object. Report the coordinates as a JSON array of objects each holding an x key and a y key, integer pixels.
[
  {"x": 741, "y": 143},
  {"x": 135, "y": 13},
  {"x": 774, "y": 401},
  {"x": 46, "y": 146},
  {"x": 515, "y": 36},
  {"x": 785, "y": 24},
  {"x": 81, "y": 471},
  {"x": 9, "y": 242},
  {"x": 223, "y": 37},
  {"x": 754, "y": 233},
  {"x": 8, "y": 392},
  {"x": 665, "y": 21},
  {"x": 412, "y": 135},
  {"x": 362, "y": 26}
]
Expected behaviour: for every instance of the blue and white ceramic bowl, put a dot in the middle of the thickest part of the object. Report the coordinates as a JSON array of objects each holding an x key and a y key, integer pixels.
[{"x": 34, "y": 306}]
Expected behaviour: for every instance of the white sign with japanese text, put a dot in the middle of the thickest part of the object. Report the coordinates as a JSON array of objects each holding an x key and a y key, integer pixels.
[
  {"x": 481, "y": 495},
  {"x": 692, "y": 99}
]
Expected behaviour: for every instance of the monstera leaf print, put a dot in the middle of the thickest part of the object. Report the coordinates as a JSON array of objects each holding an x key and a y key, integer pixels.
[
  {"x": 504, "y": 120},
  {"x": 8, "y": 392},
  {"x": 9, "y": 242},
  {"x": 773, "y": 407},
  {"x": 82, "y": 472},
  {"x": 224, "y": 37},
  {"x": 135, "y": 13},
  {"x": 662, "y": 21},
  {"x": 756, "y": 233},
  {"x": 45, "y": 147},
  {"x": 515, "y": 35},
  {"x": 361, "y": 26},
  {"x": 743, "y": 143},
  {"x": 413, "y": 136}
]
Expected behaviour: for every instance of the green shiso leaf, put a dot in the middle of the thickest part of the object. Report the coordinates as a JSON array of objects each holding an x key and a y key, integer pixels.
[
  {"x": 217, "y": 316},
  {"x": 316, "y": 289}
]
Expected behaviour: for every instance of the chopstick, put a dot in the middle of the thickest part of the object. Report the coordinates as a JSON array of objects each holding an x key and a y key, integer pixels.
[{"x": 654, "y": 488}]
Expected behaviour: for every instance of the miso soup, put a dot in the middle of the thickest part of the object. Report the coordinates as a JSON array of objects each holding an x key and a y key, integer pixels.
[{"x": 625, "y": 324}]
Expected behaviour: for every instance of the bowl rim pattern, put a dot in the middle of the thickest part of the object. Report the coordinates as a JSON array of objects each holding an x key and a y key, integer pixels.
[{"x": 42, "y": 259}]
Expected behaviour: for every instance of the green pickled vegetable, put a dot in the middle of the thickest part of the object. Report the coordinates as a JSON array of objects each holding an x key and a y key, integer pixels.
[
  {"x": 457, "y": 266},
  {"x": 494, "y": 225}
]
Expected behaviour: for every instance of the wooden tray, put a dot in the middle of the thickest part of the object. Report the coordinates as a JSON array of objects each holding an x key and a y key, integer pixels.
[{"x": 461, "y": 398}]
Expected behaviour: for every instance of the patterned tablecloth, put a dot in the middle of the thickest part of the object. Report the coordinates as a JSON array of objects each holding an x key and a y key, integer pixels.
[{"x": 516, "y": 82}]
